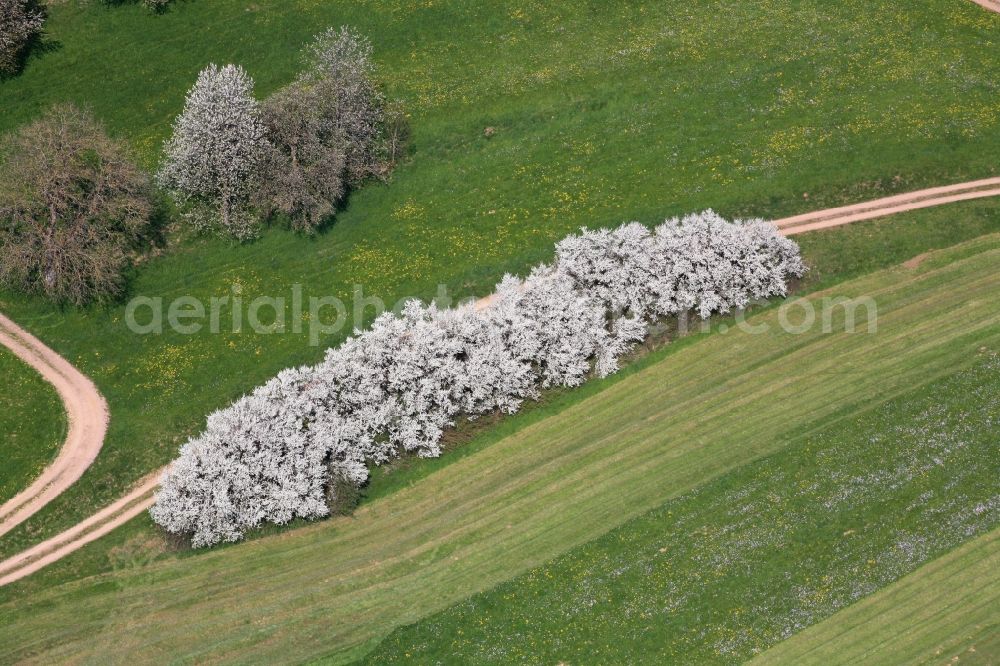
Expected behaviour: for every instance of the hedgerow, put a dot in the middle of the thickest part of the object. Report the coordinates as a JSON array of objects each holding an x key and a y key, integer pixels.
[{"x": 275, "y": 454}]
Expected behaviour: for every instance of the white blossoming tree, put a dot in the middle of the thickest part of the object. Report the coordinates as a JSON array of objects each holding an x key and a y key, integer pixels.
[
  {"x": 214, "y": 160},
  {"x": 253, "y": 464},
  {"x": 21, "y": 22}
]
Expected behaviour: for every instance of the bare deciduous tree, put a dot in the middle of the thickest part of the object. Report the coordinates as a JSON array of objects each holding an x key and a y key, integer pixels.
[
  {"x": 331, "y": 130},
  {"x": 72, "y": 207},
  {"x": 341, "y": 73},
  {"x": 306, "y": 167},
  {"x": 20, "y": 22}
]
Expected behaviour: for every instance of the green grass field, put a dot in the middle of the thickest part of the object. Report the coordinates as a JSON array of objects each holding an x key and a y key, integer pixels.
[
  {"x": 777, "y": 545},
  {"x": 604, "y": 112},
  {"x": 834, "y": 256},
  {"x": 944, "y": 612},
  {"x": 32, "y": 425},
  {"x": 551, "y": 485}
]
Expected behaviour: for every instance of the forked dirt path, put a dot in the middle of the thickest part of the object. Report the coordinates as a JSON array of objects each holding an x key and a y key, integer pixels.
[
  {"x": 142, "y": 496},
  {"x": 52, "y": 550},
  {"x": 87, "y": 415}
]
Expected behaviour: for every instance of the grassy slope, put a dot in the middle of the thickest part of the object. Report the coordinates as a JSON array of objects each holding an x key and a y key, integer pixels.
[
  {"x": 554, "y": 484},
  {"x": 604, "y": 112},
  {"x": 835, "y": 256},
  {"x": 777, "y": 545},
  {"x": 943, "y": 611},
  {"x": 32, "y": 425}
]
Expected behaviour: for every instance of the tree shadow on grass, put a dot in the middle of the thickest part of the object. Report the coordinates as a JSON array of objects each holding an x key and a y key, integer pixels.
[{"x": 154, "y": 6}]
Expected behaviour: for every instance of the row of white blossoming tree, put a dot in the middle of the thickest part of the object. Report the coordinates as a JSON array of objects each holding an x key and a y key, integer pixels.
[{"x": 275, "y": 454}]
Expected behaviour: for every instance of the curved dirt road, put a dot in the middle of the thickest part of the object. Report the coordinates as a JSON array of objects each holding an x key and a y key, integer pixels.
[
  {"x": 143, "y": 495},
  {"x": 87, "y": 414}
]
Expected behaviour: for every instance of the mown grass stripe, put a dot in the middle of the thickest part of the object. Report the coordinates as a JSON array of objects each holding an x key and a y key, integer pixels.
[
  {"x": 731, "y": 568},
  {"x": 934, "y": 614}
]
